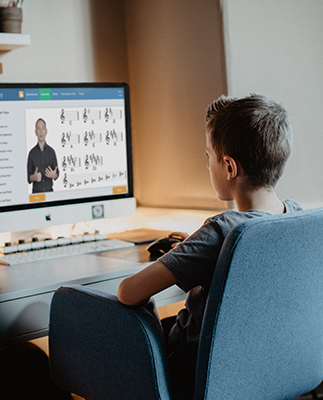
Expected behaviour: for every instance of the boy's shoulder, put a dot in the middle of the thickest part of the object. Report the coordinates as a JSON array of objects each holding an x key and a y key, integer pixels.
[
  {"x": 228, "y": 220},
  {"x": 292, "y": 206}
]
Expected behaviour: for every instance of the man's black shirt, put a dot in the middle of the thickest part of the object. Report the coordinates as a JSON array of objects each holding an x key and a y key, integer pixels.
[{"x": 42, "y": 160}]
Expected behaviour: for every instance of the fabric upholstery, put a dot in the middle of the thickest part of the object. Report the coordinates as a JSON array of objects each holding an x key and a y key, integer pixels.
[
  {"x": 262, "y": 333},
  {"x": 98, "y": 346},
  {"x": 263, "y": 327}
]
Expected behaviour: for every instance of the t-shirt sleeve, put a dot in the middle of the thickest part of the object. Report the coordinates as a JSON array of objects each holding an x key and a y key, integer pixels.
[{"x": 193, "y": 261}]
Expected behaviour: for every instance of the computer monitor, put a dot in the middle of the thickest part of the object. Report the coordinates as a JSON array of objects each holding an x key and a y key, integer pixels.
[{"x": 65, "y": 154}]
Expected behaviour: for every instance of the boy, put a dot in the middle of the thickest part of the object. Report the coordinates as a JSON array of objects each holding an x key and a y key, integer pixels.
[{"x": 248, "y": 142}]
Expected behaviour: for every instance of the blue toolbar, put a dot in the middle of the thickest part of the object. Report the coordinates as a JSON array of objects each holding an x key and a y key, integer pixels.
[{"x": 71, "y": 93}]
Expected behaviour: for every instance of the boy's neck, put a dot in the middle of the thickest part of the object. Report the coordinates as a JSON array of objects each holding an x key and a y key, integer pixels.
[{"x": 260, "y": 199}]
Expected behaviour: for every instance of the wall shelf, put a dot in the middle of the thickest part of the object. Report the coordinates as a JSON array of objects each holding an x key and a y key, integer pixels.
[{"x": 11, "y": 41}]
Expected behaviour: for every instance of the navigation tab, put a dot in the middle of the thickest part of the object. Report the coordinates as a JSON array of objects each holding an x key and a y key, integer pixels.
[
  {"x": 31, "y": 94},
  {"x": 45, "y": 94}
]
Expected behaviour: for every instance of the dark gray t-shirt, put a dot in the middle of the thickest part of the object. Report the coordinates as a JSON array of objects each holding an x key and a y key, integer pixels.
[{"x": 193, "y": 262}]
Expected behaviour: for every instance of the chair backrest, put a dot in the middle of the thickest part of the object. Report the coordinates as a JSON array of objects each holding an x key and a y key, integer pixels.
[
  {"x": 100, "y": 348},
  {"x": 262, "y": 333}
]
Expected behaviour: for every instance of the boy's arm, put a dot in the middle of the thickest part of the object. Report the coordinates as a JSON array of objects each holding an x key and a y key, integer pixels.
[{"x": 137, "y": 289}]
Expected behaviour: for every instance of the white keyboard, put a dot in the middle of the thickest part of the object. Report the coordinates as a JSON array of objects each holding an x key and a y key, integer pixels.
[{"x": 64, "y": 251}]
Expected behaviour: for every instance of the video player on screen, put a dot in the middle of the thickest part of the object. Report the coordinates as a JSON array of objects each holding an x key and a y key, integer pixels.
[{"x": 42, "y": 162}]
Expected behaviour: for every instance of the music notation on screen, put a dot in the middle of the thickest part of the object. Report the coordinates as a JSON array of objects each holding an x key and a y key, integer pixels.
[
  {"x": 71, "y": 162},
  {"x": 91, "y": 137},
  {"x": 70, "y": 138},
  {"x": 81, "y": 180},
  {"x": 69, "y": 116},
  {"x": 89, "y": 141}
]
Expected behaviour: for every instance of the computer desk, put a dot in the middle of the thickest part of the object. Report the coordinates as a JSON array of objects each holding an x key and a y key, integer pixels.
[{"x": 26, "y": 290}]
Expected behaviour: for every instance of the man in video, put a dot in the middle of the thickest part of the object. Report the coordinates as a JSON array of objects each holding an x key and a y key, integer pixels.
[{"x": 42, "y": 162}]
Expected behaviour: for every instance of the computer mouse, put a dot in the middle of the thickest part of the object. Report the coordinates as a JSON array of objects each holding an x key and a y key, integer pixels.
[{"x": 162, "y": 245}]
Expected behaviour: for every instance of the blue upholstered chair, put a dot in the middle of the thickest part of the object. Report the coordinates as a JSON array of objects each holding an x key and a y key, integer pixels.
[{"x": 262, "y": 334}]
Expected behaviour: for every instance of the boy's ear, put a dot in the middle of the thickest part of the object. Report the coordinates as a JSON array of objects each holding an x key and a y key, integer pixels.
[{"x": 231, "y": 166}]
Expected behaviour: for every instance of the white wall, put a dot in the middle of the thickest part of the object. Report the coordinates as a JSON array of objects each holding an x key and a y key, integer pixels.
[
  {"x": 275, "y": 48},
  {"x": 59, "y": 44},
  {"x": 71, "y": 41}
]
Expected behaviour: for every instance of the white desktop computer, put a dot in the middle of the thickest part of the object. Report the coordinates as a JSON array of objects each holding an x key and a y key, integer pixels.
[{"x": 65, "y": 154}]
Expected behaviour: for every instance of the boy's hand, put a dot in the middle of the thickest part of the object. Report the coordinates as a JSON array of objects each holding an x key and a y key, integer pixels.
[{"x": 179, "y": 235}]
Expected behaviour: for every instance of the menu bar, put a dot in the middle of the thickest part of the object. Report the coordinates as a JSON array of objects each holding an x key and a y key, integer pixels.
[{"x": 71, "y": 93}]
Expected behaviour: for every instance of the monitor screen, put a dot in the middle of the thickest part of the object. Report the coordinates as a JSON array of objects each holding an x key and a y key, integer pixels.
[{"x": 65, "y": 154}]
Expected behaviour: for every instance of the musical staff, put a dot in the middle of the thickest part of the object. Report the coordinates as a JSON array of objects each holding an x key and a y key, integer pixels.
[
  {"x": 70, "y": 138},
  {"x": 87, "y": 114},
  {"x": 93, "y": 161},
  {"x": 92, "y": 115},
  {"x": 70, "y": 162},
  {"x": 68, "y": 115},
  {"x": 113, "y": 136},
  {"x": 92, "y": 137},
  {"x": 112, "y": 113},
  {"x": 91, "y": 178}
]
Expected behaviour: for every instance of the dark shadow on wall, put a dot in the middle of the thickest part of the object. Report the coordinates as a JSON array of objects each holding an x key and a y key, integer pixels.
[
  {"x": 110, "y": 43},
  {"x": 109, "y": 40},
  {"x": 222, "y": 46}
]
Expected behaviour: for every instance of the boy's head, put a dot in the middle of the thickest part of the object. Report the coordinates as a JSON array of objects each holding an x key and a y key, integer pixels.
[{"x": 255, "y": 131}]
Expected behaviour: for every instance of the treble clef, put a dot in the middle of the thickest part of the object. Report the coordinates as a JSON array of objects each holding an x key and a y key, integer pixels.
[
  {"x": 65, "y": 180},
  {"x": 63, "y": 140},
  {"x": 85, "y": 115},
  {"x": 62, "y": 116}
]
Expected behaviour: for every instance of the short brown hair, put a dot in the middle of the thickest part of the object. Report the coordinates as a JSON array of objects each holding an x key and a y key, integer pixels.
[{"x": 255, "y": 131}]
